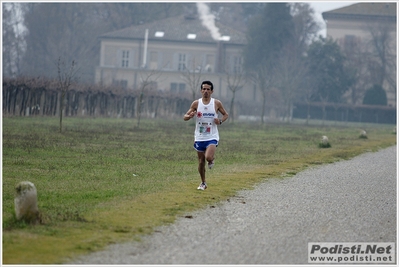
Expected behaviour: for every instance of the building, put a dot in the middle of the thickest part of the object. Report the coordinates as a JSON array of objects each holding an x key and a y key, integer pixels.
[
  {"x": 172, "y": 54},
  {"x": 359, "y": 27}
]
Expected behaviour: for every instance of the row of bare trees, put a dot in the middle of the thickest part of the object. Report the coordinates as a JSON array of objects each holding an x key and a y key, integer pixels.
[{"x": 37, "y": 97}]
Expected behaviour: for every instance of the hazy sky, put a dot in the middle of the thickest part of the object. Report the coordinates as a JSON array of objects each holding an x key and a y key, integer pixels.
[{"x": 320, "y": 7}]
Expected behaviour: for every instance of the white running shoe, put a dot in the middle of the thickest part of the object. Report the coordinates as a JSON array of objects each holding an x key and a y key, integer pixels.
[
  {"x": 211, "y": 164},
  {"x": 202, "y": 186}
]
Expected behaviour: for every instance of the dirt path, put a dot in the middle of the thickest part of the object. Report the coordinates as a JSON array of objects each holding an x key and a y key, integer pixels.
[{"x": 347, "y": 201}]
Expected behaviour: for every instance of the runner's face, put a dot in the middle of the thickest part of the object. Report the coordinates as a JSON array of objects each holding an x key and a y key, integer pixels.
[{"x": 206, "y": 90}]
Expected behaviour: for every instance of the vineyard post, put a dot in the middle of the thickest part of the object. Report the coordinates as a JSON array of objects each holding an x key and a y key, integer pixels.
[{"x": 65, "y": 77}]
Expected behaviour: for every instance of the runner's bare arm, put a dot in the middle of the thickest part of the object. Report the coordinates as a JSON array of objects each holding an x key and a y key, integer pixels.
[
  {"x": 191, "y": 112},
  {"x": 221, "y": 109}
]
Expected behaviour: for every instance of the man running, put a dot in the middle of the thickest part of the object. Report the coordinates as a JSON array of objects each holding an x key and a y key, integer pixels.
[{"x": 206, "y": 135}]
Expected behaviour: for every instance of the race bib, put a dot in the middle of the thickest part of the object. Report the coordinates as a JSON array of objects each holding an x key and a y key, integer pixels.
[{"x": 205, "y": 128}]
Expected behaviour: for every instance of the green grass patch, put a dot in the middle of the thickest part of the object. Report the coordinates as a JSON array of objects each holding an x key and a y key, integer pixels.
[{"x": 103, "y": 181}]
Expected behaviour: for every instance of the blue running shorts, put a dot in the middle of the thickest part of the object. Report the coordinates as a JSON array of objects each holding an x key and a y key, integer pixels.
[{"x": 201, "y": 146}]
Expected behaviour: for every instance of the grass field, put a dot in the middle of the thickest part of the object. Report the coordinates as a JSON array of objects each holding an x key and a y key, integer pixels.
[{"x": 103, "y": 181}]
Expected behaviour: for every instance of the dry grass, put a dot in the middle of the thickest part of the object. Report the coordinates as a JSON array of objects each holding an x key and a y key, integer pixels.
[{"x": 103, "y": 181}]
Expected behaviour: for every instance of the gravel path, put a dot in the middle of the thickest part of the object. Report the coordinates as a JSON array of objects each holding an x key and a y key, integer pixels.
[{"x": 347, "y": 201}]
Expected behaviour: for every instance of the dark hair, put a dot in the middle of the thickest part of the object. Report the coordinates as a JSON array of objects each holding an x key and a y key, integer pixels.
[{"x": 208, "y": 83}]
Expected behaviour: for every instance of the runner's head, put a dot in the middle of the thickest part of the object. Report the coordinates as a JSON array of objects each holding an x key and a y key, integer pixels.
[{"x": 208, "y": 83}]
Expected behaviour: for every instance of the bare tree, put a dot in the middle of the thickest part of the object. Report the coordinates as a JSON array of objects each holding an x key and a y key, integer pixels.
[
  {"x": 148, "y": 80},
  {"x": 69, "y": 30},
  {"x": 264, "y": 79},
  {"x": 13, "y": 38},
  {"x": 356, "y": 55},
  {"x": 306, "y": 27},
  {"x": 291, "y": 70},
  {"x": 66, "y": 74},
  {"x": 382, "y": 54},
  {"x": 193, "y": 78},
  {"x": 307, "y": 93},
  {"x": 61, "y": 28},
  {"x": 234, "y": 84}
]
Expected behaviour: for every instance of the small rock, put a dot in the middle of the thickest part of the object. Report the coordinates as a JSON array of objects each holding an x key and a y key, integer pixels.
[{"x": 26, "y": 202}]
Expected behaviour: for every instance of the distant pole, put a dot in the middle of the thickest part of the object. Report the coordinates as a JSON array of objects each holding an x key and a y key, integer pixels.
[{"x": 145, "y": 48}]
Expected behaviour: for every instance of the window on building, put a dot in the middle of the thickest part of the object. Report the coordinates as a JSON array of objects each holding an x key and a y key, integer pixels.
[
  {"x": 173, "y": 87},
  {"x": 154, "y": 56},
  {"x": 120, "y": 83},
  {"x": 209, "y": 62},
  {"x": 182, "y": 62},
  {"x": 177, "y": 87},
  {"x": 153, "y": 60},
  {"x": 125, "y": 59},
  {"x": 349, "y": 43},
  {"x": 237, "y": 64}
]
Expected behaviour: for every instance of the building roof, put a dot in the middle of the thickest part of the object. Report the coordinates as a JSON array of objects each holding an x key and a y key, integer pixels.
[
  {"x": 369, "y": 10},
  {"x": 181, "y": 28}
]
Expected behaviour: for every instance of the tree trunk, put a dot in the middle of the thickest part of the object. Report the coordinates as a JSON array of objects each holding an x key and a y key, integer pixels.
[
  {"x": 61, "y": 108},
  {"x": 263, "y": 108},
  {"x": 232, "y": 106}
]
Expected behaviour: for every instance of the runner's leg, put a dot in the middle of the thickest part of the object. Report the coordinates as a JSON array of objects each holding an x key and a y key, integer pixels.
[
  {"x": 201, "y": 165},
  {"x": 210, "y": 153}
]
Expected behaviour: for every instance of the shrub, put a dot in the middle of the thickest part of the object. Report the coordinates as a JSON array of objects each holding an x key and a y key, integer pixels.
[{"x": 376, "y": 95}]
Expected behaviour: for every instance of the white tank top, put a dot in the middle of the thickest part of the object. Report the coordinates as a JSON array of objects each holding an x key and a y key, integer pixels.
[{"x": 205, "y": 127}]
